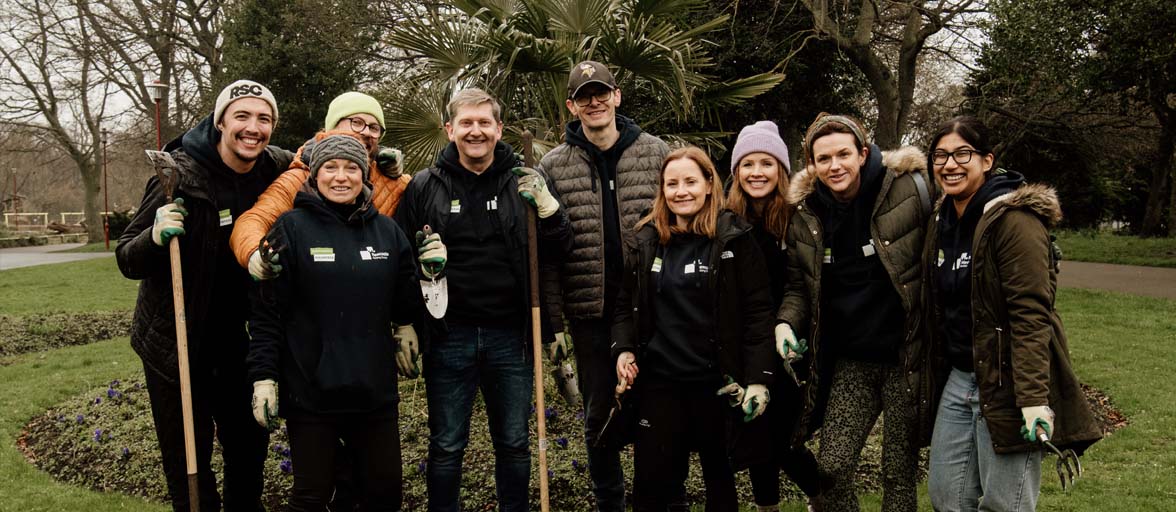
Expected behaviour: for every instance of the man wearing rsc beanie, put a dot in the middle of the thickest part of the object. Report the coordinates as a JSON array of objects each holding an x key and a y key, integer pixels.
[
  {"x": 606, "y": 171},
  {"x": 321, "y": 336},
  {"x": 223, "y": 164},
  {"x": 351, "y": 111}
]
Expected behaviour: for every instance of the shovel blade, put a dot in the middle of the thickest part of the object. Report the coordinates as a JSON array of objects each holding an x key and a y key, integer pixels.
[{"x": 436, "y": 293}]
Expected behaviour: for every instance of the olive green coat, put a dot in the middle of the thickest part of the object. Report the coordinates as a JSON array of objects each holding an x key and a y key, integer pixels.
[
  {"x": 1020, "y": 353},
  {"x": 897, "y": 226}
]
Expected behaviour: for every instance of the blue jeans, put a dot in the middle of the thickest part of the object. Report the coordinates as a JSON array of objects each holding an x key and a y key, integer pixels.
[
  {"x": 964, "y": 468},
  {"x": 496, "y": 360}
]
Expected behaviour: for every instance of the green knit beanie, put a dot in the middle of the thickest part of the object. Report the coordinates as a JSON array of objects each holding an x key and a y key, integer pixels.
[{"x": 349, "y": 104}]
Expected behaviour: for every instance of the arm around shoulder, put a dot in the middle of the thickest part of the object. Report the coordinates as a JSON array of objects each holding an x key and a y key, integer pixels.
[{"x": 252, "y": 226}]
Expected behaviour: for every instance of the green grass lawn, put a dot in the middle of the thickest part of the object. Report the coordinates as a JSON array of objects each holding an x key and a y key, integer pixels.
[
  {"x": 91, "y": 285},
  {"x": 1103, "y": 247},
  {"x": 1121, "y": 344},
  {"x": 94, "y": 247}
]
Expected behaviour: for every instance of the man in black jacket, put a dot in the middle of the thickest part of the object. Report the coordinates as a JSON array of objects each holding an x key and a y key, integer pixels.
[
  {"x": 224, "y": 163},
  {"x": 475, "y": 199}
]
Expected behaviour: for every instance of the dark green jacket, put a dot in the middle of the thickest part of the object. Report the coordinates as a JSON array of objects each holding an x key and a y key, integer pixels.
[
  {"x": 897, "y": 226},
  {"x": 1019, "y": 347}
]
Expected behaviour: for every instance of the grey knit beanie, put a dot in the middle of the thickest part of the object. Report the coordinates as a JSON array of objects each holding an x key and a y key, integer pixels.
[
  {"x": 761, "y": 137},
  {"x": 338, "y": 146}
]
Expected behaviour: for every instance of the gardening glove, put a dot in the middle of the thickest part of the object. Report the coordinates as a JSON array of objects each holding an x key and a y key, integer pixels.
[
  {"x": 432, "y": 252},
  {"x": 407, "y": 350},
  {"x": 1037, "y": 416},
  {"x": 626, "y": 371},
  {"x": 533, "y": 188},
  {"x": 265, "y": 403},
  {"x": 388, "y": 162},
  {"x": 558, "y": 349},
  {"x": 733, "y": 391},
  {"x": 787, "y": 345},
  {"x": 169, "y": 222},
  {"x": 755, "y": 401},
  {"x": 260, "y": 269}
]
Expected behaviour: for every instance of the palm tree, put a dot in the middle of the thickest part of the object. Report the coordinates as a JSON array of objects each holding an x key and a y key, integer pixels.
[{"x": 521, "y": 51}]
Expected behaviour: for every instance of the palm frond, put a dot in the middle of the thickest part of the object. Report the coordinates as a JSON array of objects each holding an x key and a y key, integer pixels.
[{"x": 416, "y": 124}]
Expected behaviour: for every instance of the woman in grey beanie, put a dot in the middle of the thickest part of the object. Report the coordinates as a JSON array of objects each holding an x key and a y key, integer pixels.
[{"x": 759, "y": 194}]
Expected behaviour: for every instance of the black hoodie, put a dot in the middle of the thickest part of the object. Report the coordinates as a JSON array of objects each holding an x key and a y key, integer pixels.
[
  {"x": 604, "y": 163},
  {"x": 232, "y": 194},
  {"x": 323, "y": 327},
  {"x": 953, "y": 265},
  {"x": 863, "y": 315}
]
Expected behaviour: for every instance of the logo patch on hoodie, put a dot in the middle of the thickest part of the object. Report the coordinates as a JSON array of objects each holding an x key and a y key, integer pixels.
[
  {"x": 940, "y": 259},
  {"x": 323, "y": 254},
  {"x": 963, "y": 261},
  {"x": 371, "y": 254}
]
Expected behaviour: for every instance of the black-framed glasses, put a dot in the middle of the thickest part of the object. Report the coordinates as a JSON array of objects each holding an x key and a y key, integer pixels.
[
  {"x": 357, "y": 126},
  {"x": 961, "y": 156},
  {"x": 585, "y": 100}
]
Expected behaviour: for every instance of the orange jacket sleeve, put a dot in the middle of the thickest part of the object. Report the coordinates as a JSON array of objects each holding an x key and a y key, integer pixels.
[{"x": 277, "y": 199}]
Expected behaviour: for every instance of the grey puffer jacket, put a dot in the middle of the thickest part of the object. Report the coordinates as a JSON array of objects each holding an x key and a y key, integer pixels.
[
  {"x": 577, "y": 289},
  {"x": 898, "y": 224}
]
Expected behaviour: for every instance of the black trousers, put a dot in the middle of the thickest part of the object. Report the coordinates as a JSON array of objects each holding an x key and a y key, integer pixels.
[
  {"x": 674, "y": 419},
  {"x": 798, "y": 463},
  {"x": 373, "y": 443},
  {"x": 221, "y": 396}
]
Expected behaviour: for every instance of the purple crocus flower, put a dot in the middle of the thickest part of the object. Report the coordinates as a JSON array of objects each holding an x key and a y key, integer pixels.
[
  {"x": 421, "y": 466},
  {"x": 550, "y": 413},
  {"x": 550, "y": 473},
  {"x": 115, "y": 383},
  {"x": 277, "y": 448},
  {"x": 286, "y": 452},
  {"x": 81, "y": 419},
  {"x": 286, "y": 466},
  {"x": 126, "y": 453},
  {"x": 562, "y": 442},
  {"x": 97, "y": 435},
  {"x": 113, "y": 393},
  {"x": 97, "y": 400},
  {"x": 580, "y": 415},
  {"x": 576, "y": 465}
]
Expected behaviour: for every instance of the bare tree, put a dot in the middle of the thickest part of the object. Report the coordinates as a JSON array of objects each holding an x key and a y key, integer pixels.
[
  {"x": 51, "y": 87},
  {"x": 885, "y": 40}
]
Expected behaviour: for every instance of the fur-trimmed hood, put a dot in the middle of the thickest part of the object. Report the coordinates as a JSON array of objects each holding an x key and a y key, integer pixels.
[
  {"x": 1038, "y": 198},
  {"x": 900, "y": 161}
]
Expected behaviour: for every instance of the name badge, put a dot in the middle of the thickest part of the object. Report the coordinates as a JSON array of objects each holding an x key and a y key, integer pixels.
[
  {"x": 226, "y": 217},
  {"x": 656, "y": 265},
  {"x": 612, "y": 185},
  {"x": 455, "y": 206},
  {"x": 828, "y": 255},
  {"x": 492, "y": 204},
  {"x": 323, "y": 254},
  {"x": 689, "y": 268},
  {"x": 868, "y": 249}
]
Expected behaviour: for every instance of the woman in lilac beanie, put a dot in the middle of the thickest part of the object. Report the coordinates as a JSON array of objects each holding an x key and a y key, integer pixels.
[{"x": 759, "y": 172}]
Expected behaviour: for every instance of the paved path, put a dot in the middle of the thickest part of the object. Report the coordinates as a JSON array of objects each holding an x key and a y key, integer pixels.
[
  {"x": 1146, "y": 281},
  {"x": 44, "y": 254}
]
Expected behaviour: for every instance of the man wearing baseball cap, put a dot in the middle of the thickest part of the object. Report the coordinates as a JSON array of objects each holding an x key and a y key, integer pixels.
[
  {"x": 606, "y": 171},
  {"x": 223, "y": 164}
]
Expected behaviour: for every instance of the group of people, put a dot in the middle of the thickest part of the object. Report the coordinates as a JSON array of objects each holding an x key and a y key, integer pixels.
[{"x": 733, "y": 322}]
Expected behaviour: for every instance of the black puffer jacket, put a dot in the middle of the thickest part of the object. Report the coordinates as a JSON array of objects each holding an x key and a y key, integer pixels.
[
  {"x": 743, "y": 318},
  {"x": 323, "y": 327},
  {"x": 153, "y": 331}
]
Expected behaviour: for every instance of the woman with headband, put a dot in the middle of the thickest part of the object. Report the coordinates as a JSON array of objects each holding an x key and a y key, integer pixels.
[{"x": 853, "y": 247}]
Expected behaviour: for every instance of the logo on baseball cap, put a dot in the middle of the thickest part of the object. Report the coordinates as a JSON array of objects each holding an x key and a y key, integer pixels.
[{"x": 588, "y": 72}]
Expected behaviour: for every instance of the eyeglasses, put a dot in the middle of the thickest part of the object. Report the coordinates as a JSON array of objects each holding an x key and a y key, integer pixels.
[
  {"x": 357, "y": 126},
  {"x": 585, "y": 100},
  {"x": 961, "y": 156}
]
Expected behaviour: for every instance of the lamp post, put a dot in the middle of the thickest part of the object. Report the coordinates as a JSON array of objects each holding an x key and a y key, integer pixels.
[
  {"x": 157, "y": 90},
  {"x": 105, "y": 190}
]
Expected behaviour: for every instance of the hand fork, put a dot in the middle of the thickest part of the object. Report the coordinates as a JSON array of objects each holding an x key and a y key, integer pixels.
[{"x": 1068, "y": 466}]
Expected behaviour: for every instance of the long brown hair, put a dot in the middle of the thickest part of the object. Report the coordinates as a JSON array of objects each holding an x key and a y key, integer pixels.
[
  {"x": 706, "y": 220},
  {"x": 776, "y": 209}
]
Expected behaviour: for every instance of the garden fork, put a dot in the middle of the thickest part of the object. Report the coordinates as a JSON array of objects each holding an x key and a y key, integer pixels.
[{"x": 1068, "y": 466}]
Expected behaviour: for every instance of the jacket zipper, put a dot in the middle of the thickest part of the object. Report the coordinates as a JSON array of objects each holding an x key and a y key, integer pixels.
[{"x": 999, "y": 357}]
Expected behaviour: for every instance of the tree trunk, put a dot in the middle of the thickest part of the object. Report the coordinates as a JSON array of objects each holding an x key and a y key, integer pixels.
[
  {"x": 91, "y": 174},
  {"x": 1161, "y": 166}
]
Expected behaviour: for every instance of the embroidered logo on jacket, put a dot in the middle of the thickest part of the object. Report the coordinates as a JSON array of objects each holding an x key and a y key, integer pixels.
[
  {"x": 726, "y": 255},
  {"x": 371, "y": 254},
  {"x": 963, "y": 261}
]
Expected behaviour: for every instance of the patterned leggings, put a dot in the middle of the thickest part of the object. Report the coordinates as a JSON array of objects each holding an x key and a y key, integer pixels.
[{"x": 860, "y": 392}]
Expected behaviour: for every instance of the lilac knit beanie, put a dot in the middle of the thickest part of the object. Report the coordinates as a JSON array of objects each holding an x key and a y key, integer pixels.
[{"x": 761, "y": 137}]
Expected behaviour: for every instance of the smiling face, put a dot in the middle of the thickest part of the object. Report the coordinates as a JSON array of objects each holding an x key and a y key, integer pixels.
[
  {"x": 475, "y": 132},
  {"x": 838, "y": 162},
  {"x": 245, "y": 128},
  {"x": 339, "y": 181},
  {"x": 960, "y": 181},
  {"x": 370, "y": 139},
  {"x": 758, "y": 175},
  {"x": 594, "y": 113},
  {"x": 685, "y": 189}
]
